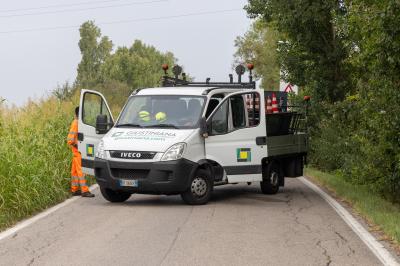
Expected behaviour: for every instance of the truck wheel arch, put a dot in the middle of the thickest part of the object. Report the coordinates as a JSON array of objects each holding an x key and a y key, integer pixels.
[
  {"x": 215, "y": 169},
  {"x": 268, "y": 163},
  {"x": 205, "y": 165}
]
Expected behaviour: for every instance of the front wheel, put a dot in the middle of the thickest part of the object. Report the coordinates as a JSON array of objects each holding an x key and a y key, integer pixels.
[
  {"x": 200, "y": 189},
  {"x": 270, "y": 183},
  {"x": 114, "y": 196}
]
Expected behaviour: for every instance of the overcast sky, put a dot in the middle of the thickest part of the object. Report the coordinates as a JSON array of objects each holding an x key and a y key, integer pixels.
[{"x": 33, "y": 62}]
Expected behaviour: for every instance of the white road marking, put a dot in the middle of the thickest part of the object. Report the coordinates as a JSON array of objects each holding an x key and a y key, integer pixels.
[
  {"x": 21, "y": 225},
  {"x": 372, "y": 243}
]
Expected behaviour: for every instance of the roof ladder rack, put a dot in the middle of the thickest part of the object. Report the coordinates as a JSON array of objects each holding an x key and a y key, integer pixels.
[{"x": 175, "y": 81}]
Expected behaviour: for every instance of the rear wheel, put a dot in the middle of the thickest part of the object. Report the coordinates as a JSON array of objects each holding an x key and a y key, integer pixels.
[
  {"x": 114, "y": 196},
  {"x": 270, "y": 183},
  {"x": 200, "y": 189}
]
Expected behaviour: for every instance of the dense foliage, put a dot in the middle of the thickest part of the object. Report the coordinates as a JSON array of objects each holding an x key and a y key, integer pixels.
[
  {"x": 258, "y": 46},
  {"x": 347, "y": 55}
]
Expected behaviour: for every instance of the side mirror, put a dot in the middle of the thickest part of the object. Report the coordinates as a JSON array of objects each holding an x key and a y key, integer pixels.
[
  {"x": 102, "y": 124},
  {"x": 203, "y": 127}
]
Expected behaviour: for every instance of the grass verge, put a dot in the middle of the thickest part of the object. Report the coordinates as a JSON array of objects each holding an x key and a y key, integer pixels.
[
  {"x": 381, "y": 214},
  {"x": 35, "y": 160}
]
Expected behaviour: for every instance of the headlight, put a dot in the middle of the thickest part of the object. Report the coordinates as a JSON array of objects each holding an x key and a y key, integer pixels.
[
  {"x": 174, "y": 152},
  {"x": 101, "y": 153}
]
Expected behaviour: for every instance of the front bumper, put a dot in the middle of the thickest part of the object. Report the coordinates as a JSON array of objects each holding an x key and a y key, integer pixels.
[{"x": 171, "y": 177}]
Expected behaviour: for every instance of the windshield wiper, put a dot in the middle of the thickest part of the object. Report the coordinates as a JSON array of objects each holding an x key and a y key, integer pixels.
[
  {"x": 128, "y": 125},
  {"x": 163, "y": 125}
]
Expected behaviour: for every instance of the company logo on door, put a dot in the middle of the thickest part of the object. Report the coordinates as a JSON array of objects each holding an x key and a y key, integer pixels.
[{"x": 243, "y": 155}]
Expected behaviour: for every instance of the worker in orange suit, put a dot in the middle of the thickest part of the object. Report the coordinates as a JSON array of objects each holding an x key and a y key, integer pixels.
[{"x": 77, "y": 177}]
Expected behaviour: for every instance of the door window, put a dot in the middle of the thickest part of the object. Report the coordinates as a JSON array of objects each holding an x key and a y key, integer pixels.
[
  {"x": 238, "y": 111},
  {"x": 211, "y": 106},
  {"x": 244, "y": 112},
  {"x": 219, "y": 121},
  {"x": 253, "y": 108},
  {"x": 93, "y": 105},
  {"x": 245, "y": 109}
]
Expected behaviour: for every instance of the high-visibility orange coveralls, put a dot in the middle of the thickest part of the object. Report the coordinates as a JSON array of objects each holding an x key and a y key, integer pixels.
[{"x": 77, "y": 177}]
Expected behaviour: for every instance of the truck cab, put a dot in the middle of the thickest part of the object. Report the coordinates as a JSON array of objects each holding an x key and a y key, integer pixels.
[{"x": 186, "y": 138}]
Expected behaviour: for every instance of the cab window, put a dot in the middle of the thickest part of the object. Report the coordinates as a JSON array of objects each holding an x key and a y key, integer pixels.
[
  {"x": 219, "y": 121},
  {"x": 211, "y": 106},
  {"x": 166, "y": 111},
  {"x": 252, "y": 108},
  {"x": 93, "y": 105},
  {"x": 245, "y": 110},
  {"x": 238, "y": 111}
]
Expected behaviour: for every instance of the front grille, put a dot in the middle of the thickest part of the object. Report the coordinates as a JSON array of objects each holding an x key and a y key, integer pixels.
[
  {"x": 129, "y": 173},
  {"x": 136, "y": 155}
]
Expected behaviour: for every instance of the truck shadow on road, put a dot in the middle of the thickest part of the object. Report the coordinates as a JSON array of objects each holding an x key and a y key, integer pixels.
[
  {"x": 244, "y": 195},
  {"x": 227, "y": 194}
]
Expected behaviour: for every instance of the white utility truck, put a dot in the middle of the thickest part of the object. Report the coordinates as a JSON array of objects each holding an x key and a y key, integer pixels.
[{"x": 188, "y": 137}]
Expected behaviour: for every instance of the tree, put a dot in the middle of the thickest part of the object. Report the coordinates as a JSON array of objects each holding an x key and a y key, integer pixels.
[
  {"x": 374, "y": 27},
  {"x": 95, "y": 49},
  {"x": 313, "y": 52},
  {"x": 337, "y": 50},
  {"x": 259, "y": 46},
  {"x": 137, "y": 66},
  {"x": 63, "y": 92},
  {"x": 116, "y": 74}
]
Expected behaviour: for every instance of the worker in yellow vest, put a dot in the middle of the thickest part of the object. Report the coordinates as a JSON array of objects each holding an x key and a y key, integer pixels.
[{"x": 77, "y": 177}]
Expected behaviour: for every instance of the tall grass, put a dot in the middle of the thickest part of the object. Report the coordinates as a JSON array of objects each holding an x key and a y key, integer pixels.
[{"x": 34, "y": 158}]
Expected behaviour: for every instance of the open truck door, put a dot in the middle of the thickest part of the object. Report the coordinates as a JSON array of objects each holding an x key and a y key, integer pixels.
[
  {"x": 93, "y": 107},
  {"x": 237, "y": 136}
]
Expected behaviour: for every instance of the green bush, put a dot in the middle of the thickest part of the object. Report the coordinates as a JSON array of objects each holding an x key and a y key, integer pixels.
[
  {"x": 346, "y": 54},
  {"x": 359, "y": 141}
]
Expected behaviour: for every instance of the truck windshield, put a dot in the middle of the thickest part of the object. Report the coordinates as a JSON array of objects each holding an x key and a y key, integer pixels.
[{"x": 162, "y": 111}]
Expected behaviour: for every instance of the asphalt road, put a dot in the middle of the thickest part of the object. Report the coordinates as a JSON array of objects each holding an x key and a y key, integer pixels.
[{"x": 240, "y": 226}]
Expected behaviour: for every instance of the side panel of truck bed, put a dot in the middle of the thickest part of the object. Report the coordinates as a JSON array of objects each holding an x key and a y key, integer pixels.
[{"x": 287, "y": 144}]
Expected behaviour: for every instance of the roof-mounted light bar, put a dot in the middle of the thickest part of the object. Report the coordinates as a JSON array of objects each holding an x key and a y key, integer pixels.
[{"x": 175, "y": 81}]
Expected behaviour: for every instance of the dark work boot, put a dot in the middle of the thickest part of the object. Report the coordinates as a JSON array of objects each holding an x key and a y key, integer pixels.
[
  {"x": 76, "y": 193},
  {"x": 87, "y": 194}
]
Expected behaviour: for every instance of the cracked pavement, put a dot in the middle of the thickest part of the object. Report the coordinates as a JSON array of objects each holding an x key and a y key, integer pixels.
[{"x": 240, "y": 226}]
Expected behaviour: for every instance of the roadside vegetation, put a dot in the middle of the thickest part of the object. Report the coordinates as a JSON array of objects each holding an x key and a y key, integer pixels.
[
  {"x": 345, "y": 54},
  {"x": 34, "y": 157},
  {"x": 375, "y": 209}
]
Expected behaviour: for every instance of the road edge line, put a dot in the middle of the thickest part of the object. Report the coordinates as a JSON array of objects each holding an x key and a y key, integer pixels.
[
  {"x": 372, "y": 243},
  {"x": 25, "y": 223}
]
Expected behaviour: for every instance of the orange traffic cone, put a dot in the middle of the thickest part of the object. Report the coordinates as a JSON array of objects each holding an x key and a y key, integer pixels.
[
  {"x": 269, "y": 105},
  {"x": 274, "y": 104}
]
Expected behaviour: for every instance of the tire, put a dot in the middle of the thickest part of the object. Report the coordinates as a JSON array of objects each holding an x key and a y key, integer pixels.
[
  {"x": 114, "y": 196},
  {"x": 270, "y": 183},
  {"x": 200, "y": 189}
]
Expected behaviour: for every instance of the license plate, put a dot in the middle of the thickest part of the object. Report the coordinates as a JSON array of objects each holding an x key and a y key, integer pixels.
[{"x": 128, "y": 183}]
